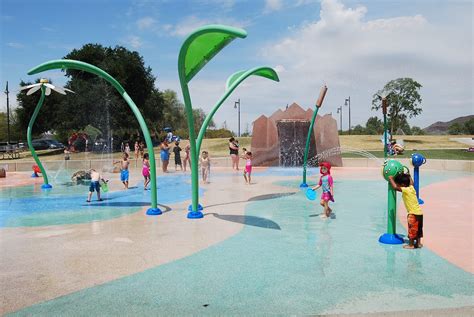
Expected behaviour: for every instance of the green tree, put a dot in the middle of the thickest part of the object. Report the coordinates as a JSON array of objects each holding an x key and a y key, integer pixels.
[
  {"x": 455, "y": 128},
  {"x": 359, "y": 130},
  {"x": 374, "y": 126},
  {"x": 404, "y": 101},
  {"x": 98, "y": 103},
  {"x": 469, "y": 126},
  {"x": 95, "y": 101},
  {"x": 417, "y": 131}
]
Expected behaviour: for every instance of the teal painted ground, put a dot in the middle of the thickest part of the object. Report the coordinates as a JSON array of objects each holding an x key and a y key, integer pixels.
[
  {"x": 287, "y": 261},
  {"x": 65, "y": 203}
]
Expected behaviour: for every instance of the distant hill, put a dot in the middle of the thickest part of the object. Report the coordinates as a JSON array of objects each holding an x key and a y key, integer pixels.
[{"x": 442, "y": 127}]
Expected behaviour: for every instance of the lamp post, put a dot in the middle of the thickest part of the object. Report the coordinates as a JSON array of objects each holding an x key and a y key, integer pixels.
[
  {"x": 348, "y": 103},
  {"x": 384, "y": 112},
  {"x": 339, "y": 110},
  {"x": 8, "y": 115},
  {"x": 238, "y": 107}
]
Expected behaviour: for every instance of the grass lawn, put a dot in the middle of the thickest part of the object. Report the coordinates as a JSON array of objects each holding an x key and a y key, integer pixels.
[
  {"x": 411, "y": 142},
  {"x": 432, "y": 146},
  {"x": 445, "y": 154},
  {"x": 215, "y": 147}
]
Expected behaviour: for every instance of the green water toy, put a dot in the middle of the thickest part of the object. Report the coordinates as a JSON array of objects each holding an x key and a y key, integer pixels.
[
  {"x": 78, "y": 65},
  {"x": 391, "y": 168}
]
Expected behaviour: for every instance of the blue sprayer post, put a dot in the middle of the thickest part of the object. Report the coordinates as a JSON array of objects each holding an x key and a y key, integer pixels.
[{"x": 417, "y": 160}]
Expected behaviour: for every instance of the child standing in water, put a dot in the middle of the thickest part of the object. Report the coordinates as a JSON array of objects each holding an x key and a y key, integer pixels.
[
  {"x": 124, "y": 174},
  {"x": 248, "y": 167},
  {"x": 187, "y": 157},
  {"x": 95, "y": 185},
  {"x": 205, "y": 166},
  {"x": 146, "y": 170},
  {"x": 326, "y": 182},
  {"x": 177, "y": 156},
  {"x": 404, "y": 184}
]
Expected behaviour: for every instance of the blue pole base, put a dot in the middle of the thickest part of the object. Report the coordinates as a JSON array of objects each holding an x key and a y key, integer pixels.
[
  {"x": 154, "y": 211},
  {"x": 46, "y": 186},
  {"x": 190, "y": 208},
  {"x": 421, "y": 201},
  {"x": 195, "y": 215},
  {"x": 389, "y": 238},
  {"x": 303, "y": 185}
]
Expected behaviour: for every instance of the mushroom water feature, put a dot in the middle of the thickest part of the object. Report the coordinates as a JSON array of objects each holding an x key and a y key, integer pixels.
[
  {"x": 78, "y": 65},
  {"x": 46, "y": 89}
]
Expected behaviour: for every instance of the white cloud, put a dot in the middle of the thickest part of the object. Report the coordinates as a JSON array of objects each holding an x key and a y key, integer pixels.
[
  {"x": 224, "y": 4},
  {"x": 272, "y": 5},
  {"x": 15, "y": 45},
  {"x": 357, "y": 56},
  {"x": 134, "y": 41},
  {"x": 146, "y": 23},
  {"x": 190, "y": 23}
]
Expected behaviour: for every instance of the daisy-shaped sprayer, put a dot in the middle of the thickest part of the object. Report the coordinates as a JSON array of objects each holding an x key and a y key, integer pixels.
[
  {"x": 46, "y": 91},
  {"x": 49, "y": 87}
]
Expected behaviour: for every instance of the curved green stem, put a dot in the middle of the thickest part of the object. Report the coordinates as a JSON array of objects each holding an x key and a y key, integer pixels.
[
  {"x": 197, "y": 50},
  {"x": 232, "y": 83},
  {"x": 29, "y": 133},
  {"x": 308, "y": 141},
  {"x": 72, "y": 64},
  {"x": 193, "y": 149}
]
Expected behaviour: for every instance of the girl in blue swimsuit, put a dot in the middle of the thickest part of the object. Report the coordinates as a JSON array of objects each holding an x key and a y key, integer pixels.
[{"x": 165, "y": 155}]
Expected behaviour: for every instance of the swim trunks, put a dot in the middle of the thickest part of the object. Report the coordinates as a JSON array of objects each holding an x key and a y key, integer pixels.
[{"x": 124, "y": 175}]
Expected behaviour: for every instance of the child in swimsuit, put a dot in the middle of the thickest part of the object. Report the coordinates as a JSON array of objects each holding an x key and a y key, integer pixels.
[
  {"x": 165, "y": 156},
  {"x": 248, "y": 167},
  {"x": 326, "y": 182},
  {"x": 205, "y": 166},
  {"x": 146, "y": 170},
  {"x": 124, "y": 174},
  {"x": 187, "y": 158},
  {"x": 177, "y": 156},
  {"x": 95, "y": 185}
]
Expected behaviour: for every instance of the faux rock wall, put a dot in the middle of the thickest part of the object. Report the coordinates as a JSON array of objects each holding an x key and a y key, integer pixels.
[{"x": 266, "y": 145}]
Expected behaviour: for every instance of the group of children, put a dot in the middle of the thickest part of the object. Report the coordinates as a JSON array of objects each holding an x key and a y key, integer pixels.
[
  {"x": 205, "y": 162},
  {"x": 402, "y": 182}
]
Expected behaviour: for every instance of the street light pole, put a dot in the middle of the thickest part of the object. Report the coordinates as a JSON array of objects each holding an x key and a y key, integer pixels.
[
  {"x": 238, "y": 107},
  {"x": 8, "y": 115},
  {"x": 348, "y": 103},
  {"x": 339, "y": 110}
]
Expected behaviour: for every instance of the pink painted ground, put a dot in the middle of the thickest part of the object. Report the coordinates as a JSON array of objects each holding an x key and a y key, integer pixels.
[
  {"x": 14, "y": 179},
  {"x": 447, "y": 220}
]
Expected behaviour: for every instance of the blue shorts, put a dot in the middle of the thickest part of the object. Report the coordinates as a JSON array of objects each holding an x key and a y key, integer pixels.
[
  {"x": 124, "y": 175},
  {"x": 165, "y": 156},
  {"x": 94, "y": 186}
]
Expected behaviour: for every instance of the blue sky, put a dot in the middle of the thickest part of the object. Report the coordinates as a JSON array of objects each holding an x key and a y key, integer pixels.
[{"x": 354, "y": 47}]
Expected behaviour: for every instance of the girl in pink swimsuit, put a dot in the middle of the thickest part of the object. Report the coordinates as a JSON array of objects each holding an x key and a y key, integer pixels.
[
  {"x": 146, "y": 170},
  {"x": 326, "y": 182},
  {"x": 248, "y": 167}
]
